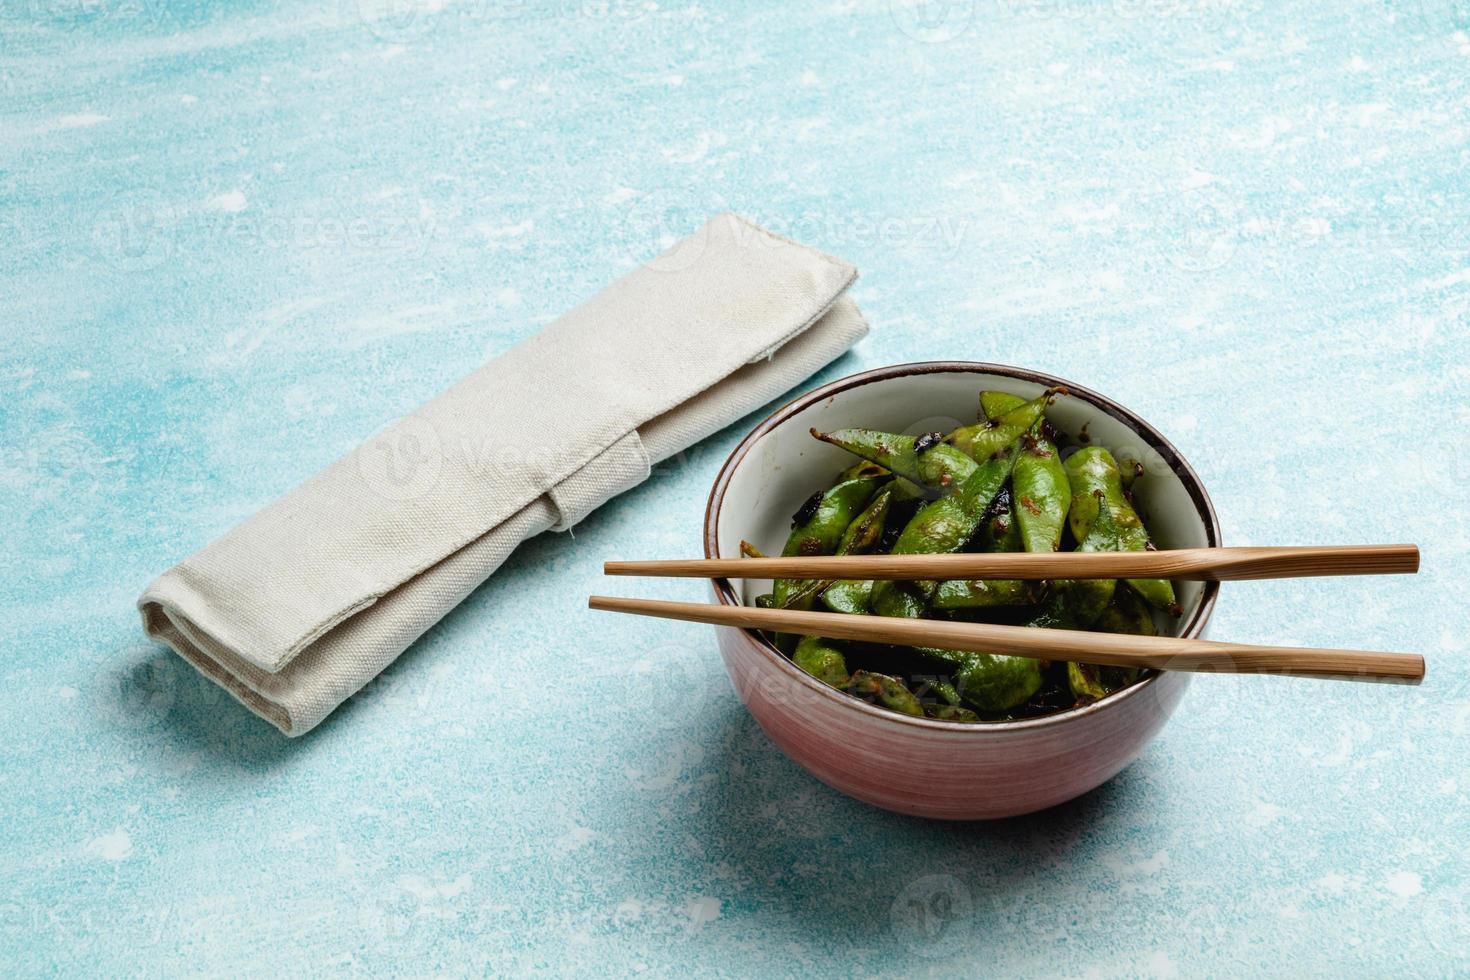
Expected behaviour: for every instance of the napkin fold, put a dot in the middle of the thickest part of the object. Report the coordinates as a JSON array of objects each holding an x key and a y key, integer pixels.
[{"x": 296, "y": 608}]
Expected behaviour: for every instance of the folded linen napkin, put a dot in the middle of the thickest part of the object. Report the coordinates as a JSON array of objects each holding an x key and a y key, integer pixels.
[{"x": 299, "y": 606}]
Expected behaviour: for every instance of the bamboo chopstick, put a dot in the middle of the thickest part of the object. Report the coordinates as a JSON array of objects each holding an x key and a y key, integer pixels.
[
  {"x": 1161, "y": 652},
  {"x": 1205, "y": 564}
]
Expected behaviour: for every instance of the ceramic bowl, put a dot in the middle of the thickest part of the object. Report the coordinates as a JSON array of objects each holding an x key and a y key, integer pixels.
[{"x": 922, "y": 766}]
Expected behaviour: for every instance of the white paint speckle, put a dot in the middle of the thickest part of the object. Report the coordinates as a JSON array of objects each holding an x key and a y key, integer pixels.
[
  {"x": 427, "y": 892},
  {"x": 702, "y": 909},
  {"x": 68, "y": 693},
  {"x": 77, "y": 120},
  {"x": 1264, "y": 814},
  {"x": 1404, "y": 884},
  {"x": 575, "y": 839},
  {"x": 231, "y": 202},
  {"x": 519, "y": 230},
  {"x": 1160, "y": 965},
  {"x": 115, "y": 846}
]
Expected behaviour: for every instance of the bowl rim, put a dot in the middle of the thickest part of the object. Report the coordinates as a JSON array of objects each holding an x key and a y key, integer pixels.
[{"x": 725, "y": 593}]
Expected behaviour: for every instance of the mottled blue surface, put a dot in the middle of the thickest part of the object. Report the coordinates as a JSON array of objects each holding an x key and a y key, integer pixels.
[{"x": 235, "y": 239}]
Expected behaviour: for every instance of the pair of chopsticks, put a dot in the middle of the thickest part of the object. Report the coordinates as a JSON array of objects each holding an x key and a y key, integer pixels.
[{"x": 1161, "y": 652}]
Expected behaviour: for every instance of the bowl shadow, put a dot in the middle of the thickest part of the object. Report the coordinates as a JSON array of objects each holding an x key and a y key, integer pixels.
[{"x": 809, "y": 861}]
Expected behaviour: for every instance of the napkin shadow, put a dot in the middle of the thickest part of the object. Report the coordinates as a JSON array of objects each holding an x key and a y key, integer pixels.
[
  {"x": 147, "y": 688},
  {"x": 810, "y": 860}
]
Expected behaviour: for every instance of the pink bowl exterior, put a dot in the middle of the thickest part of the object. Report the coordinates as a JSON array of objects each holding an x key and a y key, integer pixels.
[
  {"x": 924, "y": 770},
  {"x": 944, "y": 770}
]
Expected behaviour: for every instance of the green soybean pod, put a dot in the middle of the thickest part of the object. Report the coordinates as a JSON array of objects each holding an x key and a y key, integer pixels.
[
  {"x": 981, "y": 594},
  {"x": 994, "y": 404},
  {"x": 950, "y": 712},
  {"x": 998, "y": 533},
  {"x": 861, "y": 469},
  {"x": 818, "y": 526},
  {"x": 984, "y": 439},
  {"x": 945, "y": 525},
  {"x": 1096, "y": 480},
  {"x": 1041, "y": 493},
  {"x": 990, "y": 681},
  {"x": 925, "y": 460},
  {"x": 1086, "y": 682},
  {"x": 849, "y": 595},
  {"x": 1127, "y": 614},
  {"x": 1001, "y": 532},
  {"x": 860, "y": 537},
  {"x": 889, "y": 691},
  {"x": 823, "y": 661}
]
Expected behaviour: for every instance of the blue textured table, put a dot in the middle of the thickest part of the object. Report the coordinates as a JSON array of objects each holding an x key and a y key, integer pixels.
[{"x": 235, "y": 240}]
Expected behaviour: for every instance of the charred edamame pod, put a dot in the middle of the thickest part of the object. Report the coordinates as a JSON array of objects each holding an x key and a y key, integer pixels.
[
  {"x": 1042, "y": 494},
  {"x": 860, "y": 537},
  {"x": 950, "y": 712},
  {"x": 823, "y": 661},
  {"x": 888, "y": 691},
  {"x": 818, "y": 525},
  {"x": 984, "y": 439},
  {"x": 994, "y": 404},
  {"x": 1096, "y": 480},
  {"x": 925, "y": 460},
  {"x": 945, "y": 525}
]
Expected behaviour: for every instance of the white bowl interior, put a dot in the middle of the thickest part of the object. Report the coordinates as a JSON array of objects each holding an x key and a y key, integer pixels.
[{"x": 786, "y": 465}]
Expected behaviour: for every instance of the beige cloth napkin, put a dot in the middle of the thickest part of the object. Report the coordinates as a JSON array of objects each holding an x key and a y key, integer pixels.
[{"x": 299, "y": 606}]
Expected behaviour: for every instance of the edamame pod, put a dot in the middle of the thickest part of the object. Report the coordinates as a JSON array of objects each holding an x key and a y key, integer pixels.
[
  {"x": 901, "y": 600},
  {"x": 1126, "y": 614},
  {"x": 999, "y": 532},
  {"x": 823, "y": 661},
  {"x": 861, "y": 537},
  {"x": 1042, "y": 494},
  {"x": 1096, "y": 480},
  {"x": 861, "y": 468},
  {"x": 990, "y": 681},
  {"x": 943, "y": 526},
  {"x": 981, "y": 593},
  {"x": 889, "y": 691},
  {"x": 849, "y": 595},
  {"x": 994, "y": 404},
  {"x": 950, "y": 712},
  {"x": 984, "y": 439},
  {"x": 1086, "y": 682},
  {"x": 925, "y": 460},
  {"x": 817, "y": 527}
]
